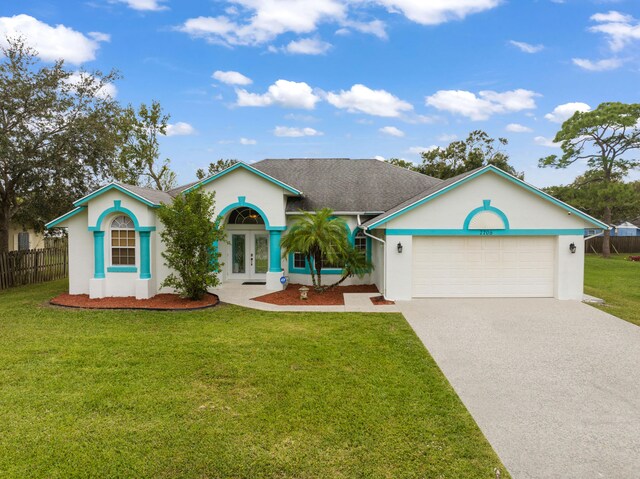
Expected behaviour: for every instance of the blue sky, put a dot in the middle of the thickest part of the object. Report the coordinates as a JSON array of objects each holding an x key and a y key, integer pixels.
[{"x": 348, "y": 78}]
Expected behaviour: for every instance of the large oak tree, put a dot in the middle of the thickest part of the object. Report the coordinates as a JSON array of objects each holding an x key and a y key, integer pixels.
[{"x": 57, "y": 136}]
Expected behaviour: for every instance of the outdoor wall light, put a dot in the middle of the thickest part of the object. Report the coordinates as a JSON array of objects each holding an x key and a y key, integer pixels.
[
  {"x": 399, "y": 247},
  {"x": 572, "y": 248}
]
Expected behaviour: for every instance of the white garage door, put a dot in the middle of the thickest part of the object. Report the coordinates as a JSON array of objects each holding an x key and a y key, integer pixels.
[{"x": 483, "y": 267}]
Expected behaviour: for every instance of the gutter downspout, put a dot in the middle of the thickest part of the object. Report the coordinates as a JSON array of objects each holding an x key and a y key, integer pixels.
[{"x": 384, "y": 256}]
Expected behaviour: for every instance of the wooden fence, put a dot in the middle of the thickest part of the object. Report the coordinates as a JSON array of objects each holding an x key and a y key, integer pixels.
[
  {"x": 620, "y": 244},
  {"x": 33, "y": 266}
]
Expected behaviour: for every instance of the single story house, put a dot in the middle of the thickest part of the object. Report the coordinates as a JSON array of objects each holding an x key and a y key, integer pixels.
[
  {"x": 626, "y": 228},
  {"x": 484, "y": 233},
  {"x": 21, "y": 238}
]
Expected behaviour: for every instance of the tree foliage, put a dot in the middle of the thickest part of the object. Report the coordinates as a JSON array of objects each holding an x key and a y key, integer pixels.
[
  {"x": 606, "y": 139},
  {"x": 139, "y": 160},
  {"x": 57, "y": 137},
  {"x": 477, "y": 150},
  {"x": 189, "y": 235},
  {"x": 217, "y": 167},
  {"x": 324, "y": 239}
]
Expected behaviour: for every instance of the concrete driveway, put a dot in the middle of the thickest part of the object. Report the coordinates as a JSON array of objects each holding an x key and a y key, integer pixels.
[{"x": 554, "y": 385}]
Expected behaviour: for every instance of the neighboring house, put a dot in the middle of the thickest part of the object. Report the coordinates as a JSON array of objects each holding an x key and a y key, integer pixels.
[
  {"x": 625, "y": 229},
  {"x": 481, "y": 234},
  {"x": 23, "y": 239}
]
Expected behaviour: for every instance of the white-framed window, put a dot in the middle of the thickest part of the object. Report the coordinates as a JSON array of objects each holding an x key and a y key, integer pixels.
[
  {"x": 299, "y": 260},
  {"x": 360, "y": 241},
  {"x": 123, "y": 241}
]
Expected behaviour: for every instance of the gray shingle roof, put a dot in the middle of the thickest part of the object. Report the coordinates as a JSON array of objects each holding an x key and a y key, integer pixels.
[
  {"x": 342, "y": 184},
  {"x": 154, "y": 196},
  {"x": 441, "y": 185}
]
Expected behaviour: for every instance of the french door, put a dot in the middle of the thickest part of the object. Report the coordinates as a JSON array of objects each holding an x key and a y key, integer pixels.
[{"x": 249, "y": 255}]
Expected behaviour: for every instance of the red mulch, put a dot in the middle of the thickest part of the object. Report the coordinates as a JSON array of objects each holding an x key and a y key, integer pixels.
[
  {"x": 332, "y": 297},
  {"x": 158, "y": 302},
  {"x": 634, "y": 258},
  {"x": 380, "y": 301}
]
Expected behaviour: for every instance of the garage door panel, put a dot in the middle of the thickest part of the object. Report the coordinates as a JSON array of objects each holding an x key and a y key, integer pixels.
[{"x": 483, "y": 267}]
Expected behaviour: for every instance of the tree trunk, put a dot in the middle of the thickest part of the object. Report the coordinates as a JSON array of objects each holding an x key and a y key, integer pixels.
[
  {"x": 317, "y": 262},
  {"x": 606, "y": 241},
  {"x": 5, "y": 226}
]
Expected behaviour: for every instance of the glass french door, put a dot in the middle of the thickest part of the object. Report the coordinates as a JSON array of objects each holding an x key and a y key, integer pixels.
[{"x": 249, "y": 254}]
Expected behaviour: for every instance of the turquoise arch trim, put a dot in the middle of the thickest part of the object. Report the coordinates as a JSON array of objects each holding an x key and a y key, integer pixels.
[
  {"x": 507, "y": 176},
  {"x": 64, "y": 217},
  {"x": 118, "y": 208},
  {"x": 271, "y": 179},
  {"x": 119, "y": 188},
  {"x": 486, "y": 206},
  {"x": 485, "y": 233},
  {"x": 244, "y": 204}
]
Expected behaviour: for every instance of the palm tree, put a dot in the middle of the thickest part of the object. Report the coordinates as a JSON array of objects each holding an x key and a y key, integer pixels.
[{"x": 322, "y": 238}]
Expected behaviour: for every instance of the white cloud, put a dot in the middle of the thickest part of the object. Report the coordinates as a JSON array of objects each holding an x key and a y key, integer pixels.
[
  {"x": 484, "y": 105},
  {"x": 563, "y": 112},
  {"x": 599, "y": 65},
  {"x": 361, "y": 99},
  {"x": 144, "y": 5},
  {"x": 543, "y": 141},
  {"x": 247, "y": 141},
  {"x": 108, "y": 90},
  {"x": 256, "y": 22},
  {"x": 293, "y": 132},
  {"x": 379, "y": 158},
  {"x": 518, "y": 128},
  {"x": 283, "y": 93},
  {"x": 446, "y": 137},
  {"x": 308, "y": 46},
  {"x": 619, "y": 29},
  {"x": 421, "y": 149},
  {"x": 433, "y": 12},
  {"x": 100, "y": 37},
  {"x": 52, "y": 43},
  {"x": 392, "y": 131},
  {"x": 231, "y": 78},
  {"x": 527, "y": 47},
  {"x": 180, "y": 129}
]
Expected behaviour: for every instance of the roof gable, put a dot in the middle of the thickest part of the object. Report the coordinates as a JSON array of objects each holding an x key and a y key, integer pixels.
[
  {"x": 249, "y": 168},
  {"x": 148, "y": 196},
  {"x": 457, "y": 181}
]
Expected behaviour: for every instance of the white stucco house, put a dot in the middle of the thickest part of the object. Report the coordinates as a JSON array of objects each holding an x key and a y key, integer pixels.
[{"x": 482, "y": 234}]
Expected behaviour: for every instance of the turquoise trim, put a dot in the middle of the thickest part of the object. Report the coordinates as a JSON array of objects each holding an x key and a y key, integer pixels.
[
  {"x": 353, "y": 241},
  {"x": 486, "y": 206},
  {"x": 64, "y": 217},
  {"x": 145, "y": 254},
  {"x": 122, "y": 269},
  {"x": 244, "y": 204},
  {"x": 307, "y": 269},
  {"x": 98, "y": 254},
  {"x": 242, "y": 199},
  {"x": 206, "y": 181},
  {"x": 275, "y": 255},
  {"x": 488, "y": 233},
  {"x": 507, "y": 176},
  {"x": 114, "y": 186},
  {"x": 117, "y": 207}
]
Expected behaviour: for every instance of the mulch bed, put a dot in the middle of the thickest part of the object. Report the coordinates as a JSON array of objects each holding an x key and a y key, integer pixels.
[
  {"x": 332, "y": 297},
  {"x": 160, "y": 302},
  {"x": 380, "y": 301}
]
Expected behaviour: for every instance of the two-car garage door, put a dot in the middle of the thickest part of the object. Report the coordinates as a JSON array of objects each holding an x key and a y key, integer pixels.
[{"x": 483, "y": 266}]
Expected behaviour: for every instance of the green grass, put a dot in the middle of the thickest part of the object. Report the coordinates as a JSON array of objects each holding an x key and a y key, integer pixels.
[
  {"x": 224, "y": 393},
  {"x": 617, "y": 281}
]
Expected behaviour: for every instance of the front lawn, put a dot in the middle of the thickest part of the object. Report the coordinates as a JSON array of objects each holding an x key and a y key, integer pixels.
[
  {"x": 224, "y": 393},
  {"x": 617, "y": 281}
]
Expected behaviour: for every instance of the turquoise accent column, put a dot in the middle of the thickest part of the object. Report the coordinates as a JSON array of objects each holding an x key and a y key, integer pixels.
[
  {"x": 98, "y": 254},
  {"x": 275, "y": 256},
  {"x": 145, "y": 255}
]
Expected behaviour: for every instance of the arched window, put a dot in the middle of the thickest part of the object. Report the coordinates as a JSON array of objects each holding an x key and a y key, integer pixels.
[
  {"x": 123, "y": 241},
  {"x": 360, "y": 242},
  {"x": 245, "y": 216}
]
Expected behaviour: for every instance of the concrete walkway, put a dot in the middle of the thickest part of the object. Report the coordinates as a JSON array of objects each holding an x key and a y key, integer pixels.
[
  {"x": 553, "y": 385},
  {"x": 241, "y": 295}
]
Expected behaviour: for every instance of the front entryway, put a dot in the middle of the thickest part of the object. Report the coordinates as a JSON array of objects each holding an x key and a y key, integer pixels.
[{"x": 249, "y": 255}]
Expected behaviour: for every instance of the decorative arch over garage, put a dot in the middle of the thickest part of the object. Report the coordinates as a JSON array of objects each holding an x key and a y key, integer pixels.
[{"x": 486, "y": 217}]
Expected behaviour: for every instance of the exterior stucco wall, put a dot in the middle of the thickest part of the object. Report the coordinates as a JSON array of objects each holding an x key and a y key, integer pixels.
[
  {"x": 524, "y": 211},
  {"x": 80, "y": 254}
]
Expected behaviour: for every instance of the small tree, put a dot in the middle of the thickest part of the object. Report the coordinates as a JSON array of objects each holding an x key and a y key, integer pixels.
[
  {"x": 323, "y": 239},
  {"x": 189, "y": 236},
  {"x": 605, "y": 139}
]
